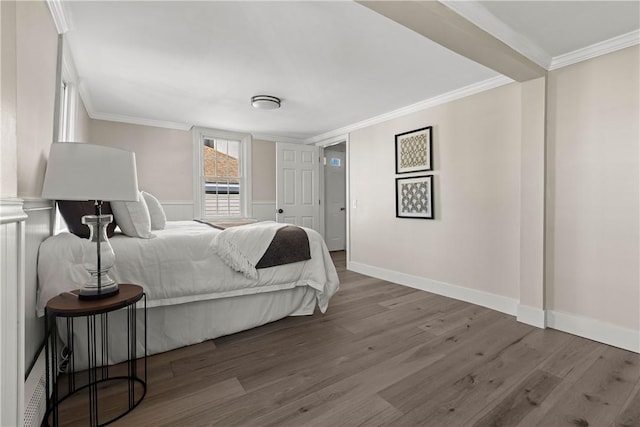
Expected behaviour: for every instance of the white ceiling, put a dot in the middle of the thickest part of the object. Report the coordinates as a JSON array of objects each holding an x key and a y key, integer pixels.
[
  {"x": 333, "y": 64},
  {"x": 559, "y": 27}
]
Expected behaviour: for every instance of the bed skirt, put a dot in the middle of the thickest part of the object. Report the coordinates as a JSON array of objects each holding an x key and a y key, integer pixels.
[{"x": 174, "y": 326}]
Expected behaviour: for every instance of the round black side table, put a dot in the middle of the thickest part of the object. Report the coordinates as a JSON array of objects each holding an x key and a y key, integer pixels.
[{"x": 100, "y": 378}]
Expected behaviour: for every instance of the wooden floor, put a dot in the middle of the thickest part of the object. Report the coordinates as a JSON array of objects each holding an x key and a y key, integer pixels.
[{"x": 384, "y": 354}]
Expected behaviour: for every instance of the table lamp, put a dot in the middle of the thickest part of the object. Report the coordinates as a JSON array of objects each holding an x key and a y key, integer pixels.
[{"x": 81, "y": 172}]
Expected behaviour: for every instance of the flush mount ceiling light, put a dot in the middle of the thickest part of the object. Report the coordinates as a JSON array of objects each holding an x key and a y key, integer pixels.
[{"x": 265, "y": 102}]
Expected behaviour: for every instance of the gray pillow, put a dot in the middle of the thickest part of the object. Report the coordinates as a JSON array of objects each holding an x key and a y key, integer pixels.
[{"x": 73, "y": 211}]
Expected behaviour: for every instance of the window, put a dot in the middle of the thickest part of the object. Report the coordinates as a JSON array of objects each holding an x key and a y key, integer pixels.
[
  {"x": 222, "y": 187},
  {"x": 221, "y": 178}
]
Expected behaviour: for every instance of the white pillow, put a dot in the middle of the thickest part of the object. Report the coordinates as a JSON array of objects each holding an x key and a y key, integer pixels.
[
  {"x": 133, "y": 218},
  {"x": 156, "y": 212}
]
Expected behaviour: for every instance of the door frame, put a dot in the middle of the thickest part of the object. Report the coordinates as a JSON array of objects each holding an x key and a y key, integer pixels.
[{"x": 324, "y": 144}]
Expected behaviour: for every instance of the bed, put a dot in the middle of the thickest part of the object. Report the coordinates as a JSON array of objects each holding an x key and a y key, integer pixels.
[{"x": 194, "y": 292}]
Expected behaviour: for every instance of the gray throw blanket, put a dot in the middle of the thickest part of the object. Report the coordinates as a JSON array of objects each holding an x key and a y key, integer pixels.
[
  {"x": 245, "y": 250},
  {"x": 289, "y": 245}
]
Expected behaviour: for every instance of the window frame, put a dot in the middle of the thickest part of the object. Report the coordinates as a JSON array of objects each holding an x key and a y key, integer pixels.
[
  {"x": 68, "y": 107},
  {"x": 199, "y": 134}
]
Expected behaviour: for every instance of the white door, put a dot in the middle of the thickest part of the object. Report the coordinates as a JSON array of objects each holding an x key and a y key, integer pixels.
[
  {"x": 335, "y": 212},
  {"x": 297, "y": 186}
]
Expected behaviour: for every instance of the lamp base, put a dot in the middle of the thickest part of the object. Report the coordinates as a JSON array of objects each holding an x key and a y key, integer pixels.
[
  {"x": 91, "y": 290},
  {"x": 98, "y": 259},
  {"x": 92, "y": 294}
]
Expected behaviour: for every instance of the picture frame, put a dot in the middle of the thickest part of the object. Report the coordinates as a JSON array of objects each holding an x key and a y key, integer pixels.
[
  {"x": 414, "y": 197},
  {"x": 414, "y": 150}
]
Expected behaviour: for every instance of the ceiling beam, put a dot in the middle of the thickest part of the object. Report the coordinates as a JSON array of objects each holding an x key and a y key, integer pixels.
[{"x": 442, "y": 25}]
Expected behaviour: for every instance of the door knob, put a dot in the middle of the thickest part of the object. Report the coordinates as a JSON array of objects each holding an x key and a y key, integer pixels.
[
  {"x": 280, "y": 211},
  {"x": 342, "y": 209}
]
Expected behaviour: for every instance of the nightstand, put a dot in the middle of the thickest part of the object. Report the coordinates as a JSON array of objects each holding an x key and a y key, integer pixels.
[{"x": 99, "y": 381}]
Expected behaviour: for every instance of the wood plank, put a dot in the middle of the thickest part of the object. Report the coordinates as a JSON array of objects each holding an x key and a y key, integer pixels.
[
  {"x": 483, "y": 382},
  {"x": 467, "y": 349},
  {"x": 277, "y": 346},
  {"x": 570, "y": 363},
  {"x": 339, "y": 361},
  {"x": 179, "y": 404},
  {"x": 409, "y": 298},
  {"x": 527, "y": 395},
  {"x": 630, "y": 414},
  {"x": 451, "y": 319},
  {"x": 388, "y": 355},
  {"x": 364, "y": 383},
  {"x": 598, "y": 396},
  {"x": 419, "y": 310}
]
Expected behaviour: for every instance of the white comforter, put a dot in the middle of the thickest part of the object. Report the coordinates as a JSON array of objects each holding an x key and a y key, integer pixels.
[{"x": 180, "y": 265}]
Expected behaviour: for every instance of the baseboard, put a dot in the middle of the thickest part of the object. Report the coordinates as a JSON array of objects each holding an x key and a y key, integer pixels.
[
  {"x": 617, "y": 336},
  {"x": 473, "y": 296},
  {"x": 531, "y": 316},
  {"x": 596, "y": 330},
  {"x": 35, "y": 400}
]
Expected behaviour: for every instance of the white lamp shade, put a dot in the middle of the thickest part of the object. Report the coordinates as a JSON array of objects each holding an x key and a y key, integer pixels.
[{"x": 79, "y": 171}]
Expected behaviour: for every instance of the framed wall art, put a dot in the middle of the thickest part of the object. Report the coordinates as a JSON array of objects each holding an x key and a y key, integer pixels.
[
  {"x": 413, "y": 150},
  {"x": 414, "y": 197}
]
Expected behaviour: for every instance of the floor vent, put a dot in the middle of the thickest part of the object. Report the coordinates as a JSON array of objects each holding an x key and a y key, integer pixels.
[{"x": 35, "y": 396}]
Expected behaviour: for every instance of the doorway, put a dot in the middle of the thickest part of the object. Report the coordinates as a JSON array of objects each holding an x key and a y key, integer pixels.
[{"x": 335, "y": 192}]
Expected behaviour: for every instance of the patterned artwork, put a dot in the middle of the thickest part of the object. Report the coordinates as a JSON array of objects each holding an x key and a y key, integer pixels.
[
  {"x": 414, "y": 197},
  {"x": 413, "y": 151}
]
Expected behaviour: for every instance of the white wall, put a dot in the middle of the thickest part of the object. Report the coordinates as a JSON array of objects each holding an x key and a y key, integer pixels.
[
  {"x": 82, "y": 123},
  {"x": 263, "y": 173},
  {"x": 37, "y": 44},
  {"x": 474, "y": 240},
  {"x": 8, "y": 81},
  {"x": 567, "y": 256},
  {"x": 532, "y": 212},
  {"x": 164, "y": 159},
  {"x": 163, "y": 156},
  {"x": 593, "y": 173},
  {"x": 28, "y": 76}
]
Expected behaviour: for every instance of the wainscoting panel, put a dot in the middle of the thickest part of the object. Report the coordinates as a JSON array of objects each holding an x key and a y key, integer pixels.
[
  {"x": 12, "y": 277},
  {"x": 37, "y": 228},
  {"x": 264, "y": 211},
  {"x": 178, "y": 210}
]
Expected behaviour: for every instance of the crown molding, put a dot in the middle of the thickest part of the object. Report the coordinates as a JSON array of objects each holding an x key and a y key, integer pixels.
[
  {"x": 463, "y": 92},
  {"x": 601, "y": 48},
  {"x": 59, "y": 15},
  {"x": 86, "y": 98},
  {"x": 478, "y": 15},
  {"x": 469, "y": 90},
  {"x": 276, "y": 138},
  {"x": 333, "y": 140},
  {"x": 121, "y": 118}
]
